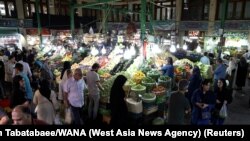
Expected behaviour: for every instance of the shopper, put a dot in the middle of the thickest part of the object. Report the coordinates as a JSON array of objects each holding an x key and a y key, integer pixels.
[
  {"x": 67, "y": 75},
  {"x": 231, "y": 72},
  {"x": 46, "y": 102},
  {"x": 241, "y": 74},
  {"x": 4, "y": 119},
  {"x": 119, "y": 110},
  {"x": 9, "y": 69},
  {"x": 74, "y": 96},
  {"x": 178, "y": 104},
  {"x": 204, "y": 59},
  {"x": 219, "y": 72},
  {"x": 223, "y": 96},
  {"x": 94, "y": 87},
  {"x": 194, "y": 82},
  {"x": 203, "y": 101},
  {"x": 18, "y": 96},
  {"x": 28, "y": 89},
  {"x": 21, "y": 115}
]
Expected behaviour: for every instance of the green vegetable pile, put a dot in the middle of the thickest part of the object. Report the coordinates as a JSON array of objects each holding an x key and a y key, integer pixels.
[{"x": 148, "y": 80}]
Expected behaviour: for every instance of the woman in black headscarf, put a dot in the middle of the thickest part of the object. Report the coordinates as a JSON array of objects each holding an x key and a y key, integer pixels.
[
  {"x": 66, "y": 66},
  {"x": 194, "y": 82},
  {"x": 18, "y": 93},
  {"x": 241, "y": 73},
  {"x": 119, "y": 110}
]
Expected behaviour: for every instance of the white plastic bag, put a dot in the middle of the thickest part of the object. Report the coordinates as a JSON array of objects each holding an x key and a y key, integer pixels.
[
  {"x": 68, "y": 116},
  {"x": 223, "y": 111}
]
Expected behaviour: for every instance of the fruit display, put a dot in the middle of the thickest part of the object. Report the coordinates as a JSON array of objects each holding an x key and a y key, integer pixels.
[
  {"x": 137, "y": 89},
  {"x": 145, "y": 68},
  {"x": 112, "y": 63},
  {"x": 89, "y": 61},
  {"x": 75, "y": 66},
  {"x": 105, "y": 75},
  {"x": 138, "y": 61},
  {"x": 165, "y": 81},
  {"x": 149, "y": 83},
  {"x": 155, "y": 74},
  {"x": 67, "y": 57},
  {"x": 159, "y": 90},
  {"x": 102, "y": 71},
  {"x": 138, "y": 76},
  {"x": 108, "y": 83},
  {"x": 183, "y": 63},
  {"x": 206, "y": 70},
  {"x": 148, "y": 97},
  {"x": 161, "y": 58}
]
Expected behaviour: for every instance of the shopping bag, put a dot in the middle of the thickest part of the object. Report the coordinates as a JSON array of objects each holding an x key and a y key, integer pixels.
[{"x": 223, "y": 111}]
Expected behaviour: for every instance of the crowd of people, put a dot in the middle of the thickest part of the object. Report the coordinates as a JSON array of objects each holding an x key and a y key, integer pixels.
[
  {"x": 204, "y": 100},
  {"x": 28, "y": 83}
]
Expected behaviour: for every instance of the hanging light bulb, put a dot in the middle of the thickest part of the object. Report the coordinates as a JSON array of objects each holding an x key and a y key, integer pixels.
[
  {"x": 198, "y": 49},
  {"x": 103, "y": 50},
  {"x": 172, "y": 48},
  {"x": 178, "y": 46},
  {"x": 185, "y": 46},
  {"x": 94, "y": 51}
]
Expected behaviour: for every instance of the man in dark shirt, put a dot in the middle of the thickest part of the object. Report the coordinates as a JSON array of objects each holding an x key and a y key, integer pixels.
[{"x": 178, "y": 104}]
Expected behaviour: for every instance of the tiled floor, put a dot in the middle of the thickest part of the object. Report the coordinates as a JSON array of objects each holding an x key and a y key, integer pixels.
[{"x": 238, "y": 110}]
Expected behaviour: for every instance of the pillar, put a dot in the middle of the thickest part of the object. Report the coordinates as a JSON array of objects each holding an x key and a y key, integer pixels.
[
  {"x": 177, "y": 22},
  {"x": 212, "y": 13},
  {"x": 19, "y": 6}
]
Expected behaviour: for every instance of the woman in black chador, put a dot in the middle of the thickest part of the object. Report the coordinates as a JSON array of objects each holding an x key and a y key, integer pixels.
[
  {"x": 241, "y": 73},
  {"x": 119, "y": 110}
]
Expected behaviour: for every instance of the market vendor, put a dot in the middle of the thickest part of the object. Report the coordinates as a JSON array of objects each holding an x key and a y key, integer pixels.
[{"x": 168, "y": 68}]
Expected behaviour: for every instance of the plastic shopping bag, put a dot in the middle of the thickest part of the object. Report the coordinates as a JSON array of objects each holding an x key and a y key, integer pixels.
[{"x": 223, "y": 111}]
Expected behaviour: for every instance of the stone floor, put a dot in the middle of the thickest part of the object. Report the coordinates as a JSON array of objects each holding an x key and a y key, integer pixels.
[{"x": 238, "y": 110}]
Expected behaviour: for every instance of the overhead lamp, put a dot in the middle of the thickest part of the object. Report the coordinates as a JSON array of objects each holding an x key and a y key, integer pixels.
[
  {"x": 94, "y": 51},
  {"x": 103, "y": 51},
  {"x": 178, "y": 46},
  {"x": 172, "y": 48},
  {"x": 198, "y": 49},
  {"x": 185, "y": 46}
]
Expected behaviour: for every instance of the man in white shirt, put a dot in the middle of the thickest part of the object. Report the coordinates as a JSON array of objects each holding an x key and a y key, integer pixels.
[
  {"x": 74, "y": 96},
  {"x": 205, "y": 60},
  {"x": 94, "y": 88}
]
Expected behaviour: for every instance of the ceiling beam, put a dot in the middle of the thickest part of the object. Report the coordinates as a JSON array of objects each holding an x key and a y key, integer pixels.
[{"x": 94, "y": 3}]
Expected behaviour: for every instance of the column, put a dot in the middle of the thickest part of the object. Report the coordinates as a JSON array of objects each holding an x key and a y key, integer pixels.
[
  {"x": 79, "y": 10},
  {"x": 52, "y": 7},
  {"x": 177, "y": 22},
  {"x": 212, "y": 13},
  {"x": 19, "y": 6}
]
